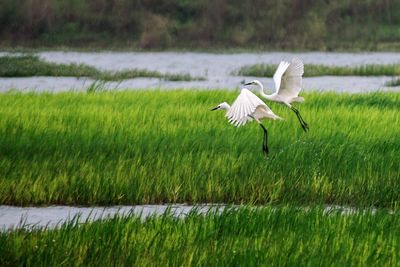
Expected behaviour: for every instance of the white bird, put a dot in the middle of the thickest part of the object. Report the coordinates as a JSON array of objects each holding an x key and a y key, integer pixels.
[
  {"x": 247, "y": 107},
  {"x": 288, "y": 84}
]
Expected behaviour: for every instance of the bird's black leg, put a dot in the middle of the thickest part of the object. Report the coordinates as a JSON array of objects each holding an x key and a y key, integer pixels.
[
  {"x": 299, "y": 117},
  {"x": 304, "y": 125},
  {"x": 265, "y": 140}
]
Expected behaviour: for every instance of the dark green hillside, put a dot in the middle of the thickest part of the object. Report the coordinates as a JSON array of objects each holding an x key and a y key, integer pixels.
[{"x": 278, "y": 24}]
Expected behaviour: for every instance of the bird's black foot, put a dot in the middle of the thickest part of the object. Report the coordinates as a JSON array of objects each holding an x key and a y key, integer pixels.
[{"x": 305, "y": 126}]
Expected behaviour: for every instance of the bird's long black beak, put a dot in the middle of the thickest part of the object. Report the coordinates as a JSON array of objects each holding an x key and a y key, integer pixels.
[
  {"x": 248, "y": 84},
  {"x": 214, "y": 109}
]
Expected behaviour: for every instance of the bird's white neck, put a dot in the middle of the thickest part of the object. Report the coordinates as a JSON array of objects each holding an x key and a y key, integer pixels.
[{"x": 261, "y": 90}]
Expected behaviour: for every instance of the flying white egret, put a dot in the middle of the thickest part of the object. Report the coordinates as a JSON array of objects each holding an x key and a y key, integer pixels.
[
  {"x": 247, "y": 107},
  {"x": 288, "y": 83}
]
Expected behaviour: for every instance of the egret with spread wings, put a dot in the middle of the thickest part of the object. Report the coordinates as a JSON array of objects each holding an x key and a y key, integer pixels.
[
  {"x": 248, "y": 107},
  {"x": 288, "y": 83}
]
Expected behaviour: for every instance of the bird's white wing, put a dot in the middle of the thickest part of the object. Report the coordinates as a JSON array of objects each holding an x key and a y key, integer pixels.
[
  {"x": 291, "y": 82},
  {"x": 243, "y": 107},
  {"x": 279, "y": 73}
]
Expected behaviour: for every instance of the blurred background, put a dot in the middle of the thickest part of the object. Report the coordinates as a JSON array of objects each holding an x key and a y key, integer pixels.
[
  {"x": 183, "y": 24},
  {"x": 346, "y": 45}
]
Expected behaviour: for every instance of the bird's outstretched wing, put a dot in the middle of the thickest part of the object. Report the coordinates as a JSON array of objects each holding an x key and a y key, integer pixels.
[
  {"x": 291, "y": 81},
  {"x": 243, "y": 107},
  {"x": 279, "y": 73}
]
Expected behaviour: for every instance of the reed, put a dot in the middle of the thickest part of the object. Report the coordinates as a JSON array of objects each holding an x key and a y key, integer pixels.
[
  {"x": 136, "y": 147},
  {"x": 245, "y": 237}
]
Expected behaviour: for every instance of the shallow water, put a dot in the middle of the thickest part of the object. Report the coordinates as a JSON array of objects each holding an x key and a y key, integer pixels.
[
  {"x": 351, "y": 84},
  {"x": 210, "y": 64},
  {"x": 12, "y": 217},
  {"x": 216, "y": 68},
  {"x": 51, "y": 216}
]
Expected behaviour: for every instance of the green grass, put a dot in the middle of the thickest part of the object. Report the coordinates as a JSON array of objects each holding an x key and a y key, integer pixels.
[
  {"x": 166, "y": 146},
  {"x": 265, "y": 70},
  {"x": 31, "y": 65},
  {"x": 244, "y": 237}
]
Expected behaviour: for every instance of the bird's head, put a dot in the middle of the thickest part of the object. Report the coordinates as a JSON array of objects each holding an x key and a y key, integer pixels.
[
  {"x": 223, "y": 105},
  {"x": 254, "y": 82},
  {"x": 259, "y": 85}
]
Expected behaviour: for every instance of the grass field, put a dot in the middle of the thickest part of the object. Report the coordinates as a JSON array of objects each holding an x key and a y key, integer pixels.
[
  {"x": 265, "y": 70},
  {"x": 30, "y": 65},
  {"x": 166, "y": 146},
  {"x": 243, "y": 237}
]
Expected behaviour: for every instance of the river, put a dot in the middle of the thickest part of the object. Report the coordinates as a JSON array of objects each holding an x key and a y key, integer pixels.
[{"x": 217, "y": 69}]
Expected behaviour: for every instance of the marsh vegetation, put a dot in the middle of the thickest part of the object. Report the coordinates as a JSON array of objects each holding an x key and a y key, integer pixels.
[
  {"x": 393, "y": 82},
  {"x": 246, "y": 236},
  {"x": 167, "y": 147},
  {"x": 110, "y": 147},
  {"x": 310, "y": 70},
  {"x": 31, "y": 65}
]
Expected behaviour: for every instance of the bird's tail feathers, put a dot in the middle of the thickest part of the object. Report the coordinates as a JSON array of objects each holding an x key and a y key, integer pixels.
[
  {"x": 298, "y": 99},
  {"x": 276, "y": 117}
]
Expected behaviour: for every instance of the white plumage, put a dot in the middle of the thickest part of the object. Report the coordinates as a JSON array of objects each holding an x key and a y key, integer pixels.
[
  {"x": 246, "y": 107},
  {"x": 288, "y": 84},
  {"x": 288, "y": 80}
]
